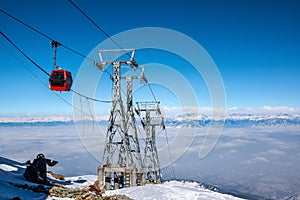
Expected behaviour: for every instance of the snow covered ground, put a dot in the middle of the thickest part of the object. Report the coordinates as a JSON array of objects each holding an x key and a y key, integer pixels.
[
  {"x": 172, "y": 190},
  {"x": 11, "y": 174}
]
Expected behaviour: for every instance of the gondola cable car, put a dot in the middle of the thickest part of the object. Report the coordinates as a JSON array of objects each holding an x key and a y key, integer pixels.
[{"x": 60, "y": 80}]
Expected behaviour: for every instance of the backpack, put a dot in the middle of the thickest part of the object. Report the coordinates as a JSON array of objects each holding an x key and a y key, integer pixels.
[{"x": 30, "y": 174}]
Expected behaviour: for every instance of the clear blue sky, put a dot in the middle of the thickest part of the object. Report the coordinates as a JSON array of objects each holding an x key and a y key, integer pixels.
[{"x": 255, "y": 44}]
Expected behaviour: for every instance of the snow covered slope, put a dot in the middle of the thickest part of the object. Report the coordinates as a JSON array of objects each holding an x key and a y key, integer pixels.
[
  {"x": 11, "y": 174},
  {"x": 172, "y": 190}
]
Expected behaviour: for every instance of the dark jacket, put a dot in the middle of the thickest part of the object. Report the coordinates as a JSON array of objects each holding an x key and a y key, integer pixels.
[
  {"x": 37, "y": 171},
  {"x": 41, "y": 164}
]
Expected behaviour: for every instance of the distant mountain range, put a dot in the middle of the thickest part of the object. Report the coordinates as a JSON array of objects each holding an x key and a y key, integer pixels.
[
  {"x": 183, "y": 120},
  {"x": 235, "y": 120}
]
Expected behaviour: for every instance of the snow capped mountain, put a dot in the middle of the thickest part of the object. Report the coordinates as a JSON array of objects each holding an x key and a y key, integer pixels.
[
  {"x": 11, "y": 179},
  {"x": 234, "y": 120},
  {"x": 236, "y": 117},
  {"x": 247, "y": 117}
]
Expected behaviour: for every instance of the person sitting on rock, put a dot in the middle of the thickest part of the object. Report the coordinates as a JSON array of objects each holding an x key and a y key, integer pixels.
[{"x": 37, "y": 171}]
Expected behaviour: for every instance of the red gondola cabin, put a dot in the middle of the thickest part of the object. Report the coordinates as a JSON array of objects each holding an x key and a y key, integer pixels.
[{"x": 60, "y": 80}]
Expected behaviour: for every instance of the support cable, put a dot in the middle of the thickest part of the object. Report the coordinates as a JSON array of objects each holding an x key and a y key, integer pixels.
[
  {"x": 171, "y": 160},
  {"x": 92, "y": 115},
  {"x": 82, "y": 117},
  {"x": 109, "y": 37},
  {"x": 152, "y": 92},
  {"x": 101, "y": 29},
  {"x": 40, "y": 68},
  {"x": 70, "y": 49},
  {"x": 43, "y": 34},
  {"x": 37, "y": 77},
  {"x": 48, "y": 37},
  {"x": 43, "y": 70},
  {"x": 90, "y": 98}
]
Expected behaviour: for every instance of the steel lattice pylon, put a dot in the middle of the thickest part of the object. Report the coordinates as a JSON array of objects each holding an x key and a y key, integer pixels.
[
  {"x": 121, "y": 158},
  {"x": 151, "y": 117},
  {"x": 117, "y": 148}
]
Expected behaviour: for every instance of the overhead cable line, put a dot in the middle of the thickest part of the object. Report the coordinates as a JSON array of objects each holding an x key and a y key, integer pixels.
[
  {"x": 48, "y": 37},
  {"x": 93, "y": 99},
  {"x": 170, "y": 156},
  {"x": 43, "y": 34},
  {"x": 152, "y": 92},
  {"x": 37, "y": 77},
  {"x": 109, "y": 37},
  {"x": 43, "y": 70},
  {"x": 24, "y": 54},
  {"x": 70, "y": 49},
  {"x": 101, "y": 29},
  {"x": 74, "y": 51}
]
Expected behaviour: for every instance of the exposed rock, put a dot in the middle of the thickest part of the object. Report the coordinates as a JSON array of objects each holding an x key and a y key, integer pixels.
[
  {"x": 77, "y": 193},
  {"x": 57, "y": 176},
  {"x": 83, "y": 193},
  {"x": 95, "y": 188},
  {"x": 117, "y": 197}
]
